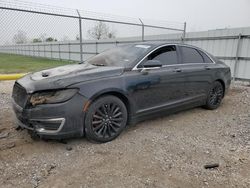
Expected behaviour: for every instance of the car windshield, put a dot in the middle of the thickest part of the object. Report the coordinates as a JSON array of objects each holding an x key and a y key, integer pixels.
[{"x": 122, "y": 56}]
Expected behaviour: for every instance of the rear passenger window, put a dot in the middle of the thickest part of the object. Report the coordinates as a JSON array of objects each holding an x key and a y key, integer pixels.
[
  {"x": 205, "y": 57},
  {"x": 190, "y": 55}
]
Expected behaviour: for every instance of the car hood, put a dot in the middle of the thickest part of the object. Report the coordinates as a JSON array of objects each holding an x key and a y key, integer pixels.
[{"x": 64, "y": 76}]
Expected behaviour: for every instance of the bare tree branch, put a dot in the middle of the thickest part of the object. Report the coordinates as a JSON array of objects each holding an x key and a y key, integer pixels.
[
  {"x": 20, "y": 37},
  {"x": 101, "y": 31}
]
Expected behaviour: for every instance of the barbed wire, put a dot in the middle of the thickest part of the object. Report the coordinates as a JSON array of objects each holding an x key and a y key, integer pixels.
[
  {"x": 41, "y": 30},
  {"x": 31, "y": 6}
]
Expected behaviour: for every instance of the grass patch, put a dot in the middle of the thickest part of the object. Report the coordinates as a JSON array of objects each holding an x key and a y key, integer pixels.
[{"x": 10, "y": 63}]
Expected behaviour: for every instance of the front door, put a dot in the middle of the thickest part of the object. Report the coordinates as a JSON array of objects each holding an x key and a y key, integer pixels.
[{"x": 153, "y": 89}]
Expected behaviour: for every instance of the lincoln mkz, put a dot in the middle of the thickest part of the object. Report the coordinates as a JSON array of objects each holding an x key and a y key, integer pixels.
[{"x": 117, "y": 87}]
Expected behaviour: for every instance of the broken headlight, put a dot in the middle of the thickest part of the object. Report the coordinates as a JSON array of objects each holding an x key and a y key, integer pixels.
[{"x": 51, "y": 97}]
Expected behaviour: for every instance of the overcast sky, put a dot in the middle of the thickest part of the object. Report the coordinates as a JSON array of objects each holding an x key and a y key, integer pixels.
[{"x": 199, "y": 14}]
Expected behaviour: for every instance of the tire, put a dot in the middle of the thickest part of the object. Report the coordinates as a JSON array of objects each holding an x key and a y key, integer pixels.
[
  {"x": 105, "y": 119},
  {"x": 215, "y": 96}
]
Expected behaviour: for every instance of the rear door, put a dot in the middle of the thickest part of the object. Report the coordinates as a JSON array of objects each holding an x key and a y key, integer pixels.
[{"x": 196, "y": 67}]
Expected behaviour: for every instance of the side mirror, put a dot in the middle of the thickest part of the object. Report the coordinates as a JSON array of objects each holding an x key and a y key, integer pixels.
[{"x": 152, "y": 64}]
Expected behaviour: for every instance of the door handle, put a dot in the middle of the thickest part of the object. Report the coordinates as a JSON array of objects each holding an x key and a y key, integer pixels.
[
  {"x": 207, "y": 68},
  {"x": 177, "y": 70},
  {"x": 144, "y": 71}
]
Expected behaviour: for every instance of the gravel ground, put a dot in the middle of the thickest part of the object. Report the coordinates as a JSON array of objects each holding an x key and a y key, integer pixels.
[{"x": 166, "y": 152}]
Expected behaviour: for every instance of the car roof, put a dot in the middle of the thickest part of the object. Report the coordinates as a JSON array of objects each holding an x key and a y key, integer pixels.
[
  {"x": 160, "y": 43},
  {"x": 155, "y": 44}
]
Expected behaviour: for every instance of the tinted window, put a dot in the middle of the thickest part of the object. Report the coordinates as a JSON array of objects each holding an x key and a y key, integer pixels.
[
  {"x": 205, "y": 57},
  {"x": 166, "y": 55},
  {"x": 190, "y": 55}
]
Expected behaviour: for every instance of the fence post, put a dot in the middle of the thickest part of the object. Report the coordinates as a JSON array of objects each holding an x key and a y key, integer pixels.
[
  {"x": 29, "y": 49},
  {"x": 51, "y": 51},
  {"x": 184, "y": 32},
  {"x": 69, "y": 51},
  {"x": 33, "y": 50},
  {"x": 237, "y": 58},
  {"x": 38, "y": 50},
  {"x": 44, "y": 51},
  {"x": 142, "y": 34},
  {"x": 59, "y": 51},
  {"x": 80, "y": 35},
  {"x": 96, "y": 47}
]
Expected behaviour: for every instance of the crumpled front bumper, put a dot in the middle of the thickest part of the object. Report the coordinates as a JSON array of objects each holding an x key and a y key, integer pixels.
[{"x": 53, "y": 121}]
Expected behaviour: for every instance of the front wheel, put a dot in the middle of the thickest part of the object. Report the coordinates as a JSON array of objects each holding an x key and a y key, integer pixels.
[
  {"x": 105, "y": 119},
  {"x": 215, "y": 96}
]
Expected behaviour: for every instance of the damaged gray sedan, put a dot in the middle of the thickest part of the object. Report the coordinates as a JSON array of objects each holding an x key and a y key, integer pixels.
[{"x": 120, "y": 86}]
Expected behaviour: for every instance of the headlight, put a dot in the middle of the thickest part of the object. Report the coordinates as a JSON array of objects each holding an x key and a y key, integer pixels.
[{"x": 50, "y": 97}]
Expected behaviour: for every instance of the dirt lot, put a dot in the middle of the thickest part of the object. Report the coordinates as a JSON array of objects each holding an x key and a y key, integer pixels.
[{"x": 165, "y": 152}]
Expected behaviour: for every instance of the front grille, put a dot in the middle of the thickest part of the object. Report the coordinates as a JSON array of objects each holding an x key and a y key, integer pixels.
[{"x": 19, "y": 95}]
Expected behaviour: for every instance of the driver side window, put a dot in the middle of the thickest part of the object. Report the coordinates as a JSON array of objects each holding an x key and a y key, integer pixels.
[{"x": 166, "y": 55}]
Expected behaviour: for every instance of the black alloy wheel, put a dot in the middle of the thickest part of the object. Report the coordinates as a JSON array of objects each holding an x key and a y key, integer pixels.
[
  {"x": 215, "y": 96},
  {"x": 105, "y": 119}
]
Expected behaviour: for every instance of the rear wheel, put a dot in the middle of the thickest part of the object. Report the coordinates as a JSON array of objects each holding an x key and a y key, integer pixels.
[
  {"x": 105, "y": 119},
  {"x": 215, "y": 96}
]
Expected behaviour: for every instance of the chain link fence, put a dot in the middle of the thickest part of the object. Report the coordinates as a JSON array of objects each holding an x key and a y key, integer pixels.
[{"x": 39, "y": 30}]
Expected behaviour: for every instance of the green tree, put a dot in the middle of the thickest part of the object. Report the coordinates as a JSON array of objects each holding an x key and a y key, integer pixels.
[
  {"x": 50, "y": 39},
  {"x": 36, "y": 40}
]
